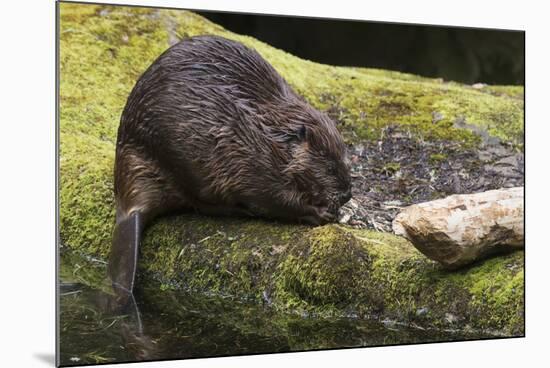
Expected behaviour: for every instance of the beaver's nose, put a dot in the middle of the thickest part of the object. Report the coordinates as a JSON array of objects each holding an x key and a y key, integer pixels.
[{"x": 345, "y": 197}]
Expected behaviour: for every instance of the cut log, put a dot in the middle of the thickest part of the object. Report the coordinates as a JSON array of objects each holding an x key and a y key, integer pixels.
[{"x": 460, "y": 229}]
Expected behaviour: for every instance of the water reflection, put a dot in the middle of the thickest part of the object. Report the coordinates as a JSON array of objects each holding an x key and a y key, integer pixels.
[{"x": 174, "y": 325}]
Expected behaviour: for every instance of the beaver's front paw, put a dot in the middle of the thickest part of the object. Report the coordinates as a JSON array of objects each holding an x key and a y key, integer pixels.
[
  {"x": 326, "y": 217},
  {"x": 318, "y": 216}
]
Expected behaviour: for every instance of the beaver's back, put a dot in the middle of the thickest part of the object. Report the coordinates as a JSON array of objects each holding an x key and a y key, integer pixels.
[
  {"x": 202, "y": 80},
  {"x": 201, "y": 103}
]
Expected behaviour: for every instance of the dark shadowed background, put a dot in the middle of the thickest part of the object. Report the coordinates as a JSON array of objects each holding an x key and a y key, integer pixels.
[{"x": 458, "y": 54}]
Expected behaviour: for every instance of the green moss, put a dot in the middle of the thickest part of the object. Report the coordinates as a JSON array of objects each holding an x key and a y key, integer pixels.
[
  {"x": 321, "y": 270},
  {"x": 496, "y": 292},
  {"x": 391, "y": 168},
  {"x": 232, "y": 256},
  {"x": 100, "y": 59},
  {"x": 437, "y": 158},
  {"x": 327, "y": 270},
  {"x": 508, "y": 91}
]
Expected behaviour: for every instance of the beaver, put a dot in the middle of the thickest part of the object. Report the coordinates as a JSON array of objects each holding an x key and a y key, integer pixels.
[{"x": 211, "y": 126}]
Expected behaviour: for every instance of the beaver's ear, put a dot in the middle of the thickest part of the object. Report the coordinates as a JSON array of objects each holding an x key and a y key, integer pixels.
[
  {"x": 302, "y": 132},
  {"x": 298, "y": 135}
]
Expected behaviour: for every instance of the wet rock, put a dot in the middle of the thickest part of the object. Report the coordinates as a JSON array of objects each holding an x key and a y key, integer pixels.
[
  {"x": 509, "y": 161},
  {"x": 509, "y": 166}
]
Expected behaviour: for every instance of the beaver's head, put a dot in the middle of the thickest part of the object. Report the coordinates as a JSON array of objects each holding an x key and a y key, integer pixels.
[{"x": 319, "y": 170}]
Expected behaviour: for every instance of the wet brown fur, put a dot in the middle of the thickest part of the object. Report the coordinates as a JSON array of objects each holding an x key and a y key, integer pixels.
[{"x": 211, "y": 125}]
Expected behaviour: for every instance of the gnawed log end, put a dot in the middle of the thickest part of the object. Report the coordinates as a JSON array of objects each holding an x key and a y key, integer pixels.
[{"x": 461, "y": 229}]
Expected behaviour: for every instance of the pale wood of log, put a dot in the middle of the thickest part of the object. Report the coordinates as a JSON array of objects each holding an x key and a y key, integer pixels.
[{"x": 459, "y": 229}]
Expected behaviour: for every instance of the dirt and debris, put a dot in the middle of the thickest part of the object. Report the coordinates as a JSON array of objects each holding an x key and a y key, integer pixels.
[{"x": 400, "y": 169}]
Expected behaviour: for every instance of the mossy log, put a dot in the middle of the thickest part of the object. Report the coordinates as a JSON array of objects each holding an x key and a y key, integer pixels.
[
  {"x": 329, "y": 270},
  {"x": 332, "y": 271}
]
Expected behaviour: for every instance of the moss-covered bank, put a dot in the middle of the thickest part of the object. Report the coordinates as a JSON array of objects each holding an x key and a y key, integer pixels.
[
  {"x": 333, "y": 270},
  {"x": 326, "y": 270}
]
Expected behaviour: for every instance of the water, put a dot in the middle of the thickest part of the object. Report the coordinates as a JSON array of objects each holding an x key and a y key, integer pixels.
[{"x": 178, "y": 325}]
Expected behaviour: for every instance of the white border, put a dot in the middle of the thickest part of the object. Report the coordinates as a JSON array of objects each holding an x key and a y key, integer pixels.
[{"x": 27, "y": 180}]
